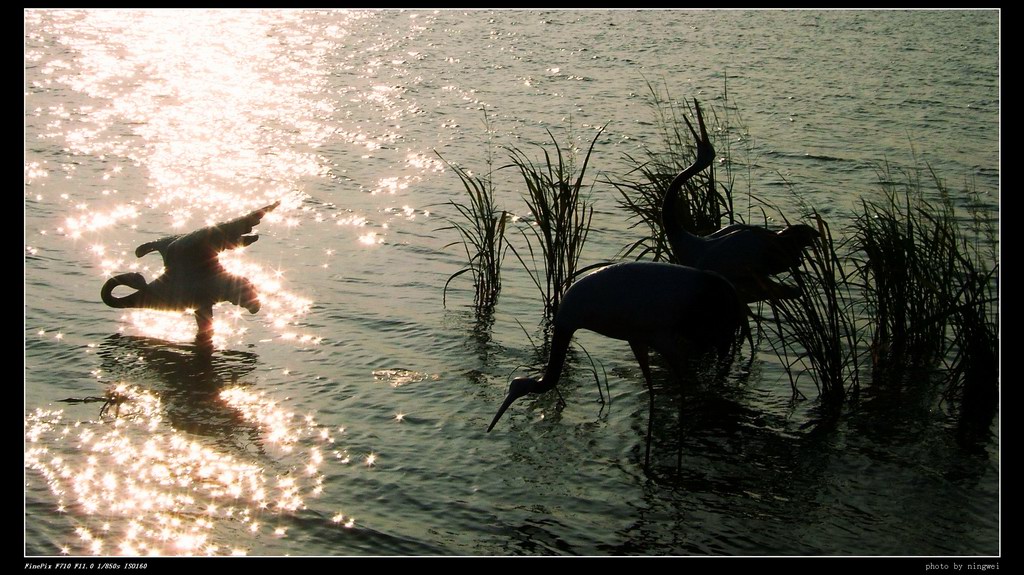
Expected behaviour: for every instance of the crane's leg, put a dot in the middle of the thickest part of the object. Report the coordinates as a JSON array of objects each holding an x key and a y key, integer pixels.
[
  {"x": 204, "y": 319},
  {"x": 679, "y": 434},
  {"x": 668, "y": 347},
  {"x": 640, "y": 351}
]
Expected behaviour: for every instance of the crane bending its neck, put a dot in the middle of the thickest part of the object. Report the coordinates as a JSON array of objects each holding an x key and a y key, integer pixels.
[
  {"x": 552, "y": 373},
  {"x": 132, "y": 280},
  {"x": 683, "y": 243}
]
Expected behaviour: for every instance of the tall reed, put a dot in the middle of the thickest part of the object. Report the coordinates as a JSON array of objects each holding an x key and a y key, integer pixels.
[
  {"x": 482, "y": 232},
  {"x": 909, "y": 266},
  {"x": 560, "y": 220},
  {"x": 973, "y": 370},
  {"x": 930, "y": 288},
  {"x": 817, "y": 331}
]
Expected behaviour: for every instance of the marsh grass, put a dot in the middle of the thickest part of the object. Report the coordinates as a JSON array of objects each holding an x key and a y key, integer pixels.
[
  {"x": 906, "y": 261},
  {"x": 560, "y": 218},
  {"x": 818, "y": 332},
  {"x": 972, "y": 368},
  {"x": 915, "y": 292},
  {"x": 481, "y": 228},
  {"x": 930, "y": 286}
]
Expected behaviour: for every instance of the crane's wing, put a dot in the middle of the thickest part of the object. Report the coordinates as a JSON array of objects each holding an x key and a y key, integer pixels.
[
  {"x": 747, "y": 251},
  {"x": 200, "y": 248},
  {"x": 734, "y": 228},
  {"x": 237, "y": 232},
  {"x": 757, "y": 249}
]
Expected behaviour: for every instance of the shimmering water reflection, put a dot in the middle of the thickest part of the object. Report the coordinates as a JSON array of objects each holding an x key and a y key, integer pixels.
[{"x": 137, "y": 486}]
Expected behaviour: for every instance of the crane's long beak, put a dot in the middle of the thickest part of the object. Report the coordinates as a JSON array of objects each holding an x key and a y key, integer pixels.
[
  {"x": 501, "y": 410},
  {"x": 518, "y": 388}
]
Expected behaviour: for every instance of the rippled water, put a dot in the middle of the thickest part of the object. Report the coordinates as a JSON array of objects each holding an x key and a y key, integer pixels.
[{"x": 348, "y": 417}]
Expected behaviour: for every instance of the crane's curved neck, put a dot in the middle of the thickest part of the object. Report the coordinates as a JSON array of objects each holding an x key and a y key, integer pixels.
[
  {"x": 132, "y": 280},
  {"x": 524, "y": 385},
  {"x": 676, "y": 220},
  {"x": 556, "y": 361}
]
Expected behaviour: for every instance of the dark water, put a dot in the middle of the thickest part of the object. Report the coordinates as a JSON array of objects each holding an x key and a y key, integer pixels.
[{"x": 348, "y": 417}]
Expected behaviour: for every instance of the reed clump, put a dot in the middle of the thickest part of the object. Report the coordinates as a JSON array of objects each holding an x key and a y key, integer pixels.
[
  {"x": 906, "y": 261},
  {"x": 817, "y": 331},
  {"x": 930, "y": 286},
  {"x": 909, "y": 287},
  {"x": 482, "y": 232},
  {"x": 560, "y": 218}
]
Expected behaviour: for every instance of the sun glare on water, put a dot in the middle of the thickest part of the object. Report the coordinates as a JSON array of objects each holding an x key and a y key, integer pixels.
[
  {"x": 133, "y": 485},
  {"x": 177, "y": 120}
]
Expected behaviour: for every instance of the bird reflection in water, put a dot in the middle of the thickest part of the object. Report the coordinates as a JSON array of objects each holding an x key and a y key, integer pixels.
[
  {"x": 188, "y": 383},
  {"x": 173, "y": 471}
]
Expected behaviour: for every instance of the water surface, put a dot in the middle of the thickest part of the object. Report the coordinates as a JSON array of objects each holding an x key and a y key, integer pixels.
[{"x": 348, "y": 417}]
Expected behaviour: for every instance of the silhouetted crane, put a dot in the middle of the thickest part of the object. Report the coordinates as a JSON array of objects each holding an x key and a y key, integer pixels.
[
  {"x": 651, "y": 306},
  {"x": 193, "y": 276},
  {"x": 746, "y": 255}
]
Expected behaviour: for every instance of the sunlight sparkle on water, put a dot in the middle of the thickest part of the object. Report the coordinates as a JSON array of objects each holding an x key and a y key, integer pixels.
[
  {"x": 371, "y": 239},
  {"x": 199, "y": 115},
  {"x": 93, "y": 221},
  {"x": 153, "y": 490},
  {"x": 400, "y": 377},
  {"x": 425, "y": 162},
  {"x": 229, "y": 147}
]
